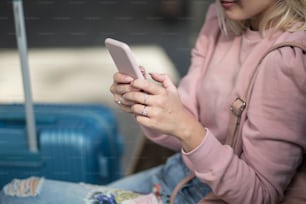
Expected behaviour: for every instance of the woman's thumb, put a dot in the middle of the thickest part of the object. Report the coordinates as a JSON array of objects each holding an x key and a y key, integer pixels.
[
  {"x": 143, "y": 71},
  {"x": 164, "y": 79}
]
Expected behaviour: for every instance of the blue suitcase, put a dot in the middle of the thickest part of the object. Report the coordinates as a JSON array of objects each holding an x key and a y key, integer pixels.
[
  {"x": 79, "y": 143},
  {"x": 68, "y": 142}
]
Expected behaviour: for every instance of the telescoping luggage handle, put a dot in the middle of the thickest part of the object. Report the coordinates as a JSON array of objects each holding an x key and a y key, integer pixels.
[{"x": 22, "y": 47}]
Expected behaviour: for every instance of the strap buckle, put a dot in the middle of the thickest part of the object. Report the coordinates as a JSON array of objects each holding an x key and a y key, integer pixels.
[{"x": 238, "y": 107}]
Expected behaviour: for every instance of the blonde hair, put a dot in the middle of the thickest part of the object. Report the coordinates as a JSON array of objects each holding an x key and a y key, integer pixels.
[{"x": 283, "y": 15}]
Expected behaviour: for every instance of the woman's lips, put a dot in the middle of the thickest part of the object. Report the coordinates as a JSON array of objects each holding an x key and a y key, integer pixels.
[{"x": 227, "y": 4}]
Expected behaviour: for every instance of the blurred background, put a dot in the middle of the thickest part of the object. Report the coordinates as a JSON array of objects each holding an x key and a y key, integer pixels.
[{"x": 69, "y": 64}]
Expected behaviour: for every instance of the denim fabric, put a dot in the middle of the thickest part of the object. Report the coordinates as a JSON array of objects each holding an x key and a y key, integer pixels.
[
  {"x": 168, "y": 175},
  {"x": 52, "y": 192}
]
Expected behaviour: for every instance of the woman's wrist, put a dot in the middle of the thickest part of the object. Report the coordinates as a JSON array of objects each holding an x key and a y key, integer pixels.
[{"x": 191, "y": 134}]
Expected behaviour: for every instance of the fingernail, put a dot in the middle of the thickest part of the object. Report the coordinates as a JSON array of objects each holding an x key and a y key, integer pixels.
[{"x": 128, "y": 78}]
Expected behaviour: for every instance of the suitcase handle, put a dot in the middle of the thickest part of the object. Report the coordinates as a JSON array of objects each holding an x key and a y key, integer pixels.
[
  {"x": 22, "y": 47},
  {"x": 18, "y": 118}
]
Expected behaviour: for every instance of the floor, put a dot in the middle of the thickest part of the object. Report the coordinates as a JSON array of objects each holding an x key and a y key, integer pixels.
[{"x": 84, "y": 24}]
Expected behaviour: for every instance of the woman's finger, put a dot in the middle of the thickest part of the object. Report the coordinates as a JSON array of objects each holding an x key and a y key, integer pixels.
[
  {"x": 123, "y": 104},
  {"x": 147, "y": 86},
  {"x": 121, "y": 88},
  {"x": 126, "y": 108},
  {"x": 154, "y": 88},
  {"x": 120, "y": 78},
  {"x": 142, "y": 110},
  {"x": 119, "y": 100},
  {"x": 139, "y": 97}
]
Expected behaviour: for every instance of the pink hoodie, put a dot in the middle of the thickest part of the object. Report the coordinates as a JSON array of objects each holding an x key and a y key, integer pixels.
[{"x": 273, "y": 137}]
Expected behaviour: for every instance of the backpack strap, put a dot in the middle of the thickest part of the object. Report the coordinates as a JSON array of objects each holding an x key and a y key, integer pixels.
[
  {"x": 240, "y": 103},
  {"x": 180, "y": 185}
]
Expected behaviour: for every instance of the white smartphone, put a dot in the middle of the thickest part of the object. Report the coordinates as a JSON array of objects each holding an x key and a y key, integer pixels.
[{"x": 123, "y": 58}]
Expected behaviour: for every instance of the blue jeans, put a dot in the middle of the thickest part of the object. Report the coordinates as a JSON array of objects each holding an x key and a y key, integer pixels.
[{"x": 168, "y": 175}]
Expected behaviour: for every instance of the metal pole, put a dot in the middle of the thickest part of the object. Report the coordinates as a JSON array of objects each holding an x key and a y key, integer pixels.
[{"x": 22, "y": 46}]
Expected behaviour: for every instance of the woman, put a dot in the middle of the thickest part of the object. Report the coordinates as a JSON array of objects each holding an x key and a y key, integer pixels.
[{"x": 194, "y": 118}]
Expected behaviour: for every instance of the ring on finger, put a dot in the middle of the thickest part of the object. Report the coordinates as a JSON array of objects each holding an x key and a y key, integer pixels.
[
  {"x": 144, "y": 112},
  {"x": 119, "y": 102}
]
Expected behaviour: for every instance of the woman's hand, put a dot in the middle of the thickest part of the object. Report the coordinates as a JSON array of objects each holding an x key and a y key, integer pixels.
[
  {"x": 160, "y": 108},
  {"x": 120, "y": 86}
]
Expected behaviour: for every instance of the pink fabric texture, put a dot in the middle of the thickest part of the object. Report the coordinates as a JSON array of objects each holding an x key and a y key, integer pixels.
[{"x": 273, "y": 137}]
